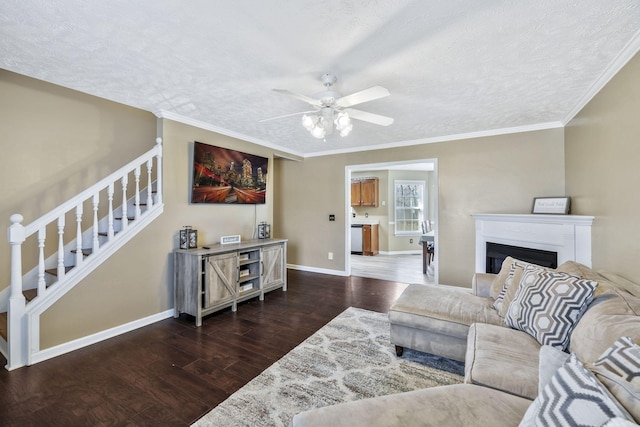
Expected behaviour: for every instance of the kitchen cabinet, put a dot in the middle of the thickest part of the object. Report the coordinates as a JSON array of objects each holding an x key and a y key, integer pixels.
[
  {"x": 364, "y": 192},
  {"x": 370, "y": 245},
  {"x": 211, "y": 278}
]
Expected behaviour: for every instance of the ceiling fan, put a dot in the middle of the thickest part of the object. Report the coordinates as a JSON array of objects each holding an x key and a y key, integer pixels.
[{"x": 333, "y": 110}]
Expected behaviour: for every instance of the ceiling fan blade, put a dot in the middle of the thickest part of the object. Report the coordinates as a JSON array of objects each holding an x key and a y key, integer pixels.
[
  {"x": 366, "y": 95},
  {"x": 368, "y": 117},
  {"x": 307, "y": 99},
  {"x": 288, "y": 115}
]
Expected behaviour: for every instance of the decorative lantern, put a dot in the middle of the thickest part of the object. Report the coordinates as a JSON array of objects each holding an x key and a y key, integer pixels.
[
  {"x": 264, "y": 230},
  {"x": 188, "y": 238}
]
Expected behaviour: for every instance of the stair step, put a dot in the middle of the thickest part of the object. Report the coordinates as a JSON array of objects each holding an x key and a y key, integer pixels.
[
  {"x": 85, "y": 251},
  {"x": 4, "y": 325},
  {"x": 29, "y": 294},
  {"x": 54, "y": 271}
]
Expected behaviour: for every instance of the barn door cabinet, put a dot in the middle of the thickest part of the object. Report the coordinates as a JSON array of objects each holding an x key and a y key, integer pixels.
[
  {"x": 220, "y": 276},
  {"x": 364, "y": 192}
]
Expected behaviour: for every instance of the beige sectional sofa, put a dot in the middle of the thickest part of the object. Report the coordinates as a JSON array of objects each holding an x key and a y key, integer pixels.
[{"x": 511, "y": 377}]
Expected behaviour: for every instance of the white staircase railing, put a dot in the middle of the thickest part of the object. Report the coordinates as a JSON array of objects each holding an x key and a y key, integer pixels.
[{"x": 54, "y": 275}]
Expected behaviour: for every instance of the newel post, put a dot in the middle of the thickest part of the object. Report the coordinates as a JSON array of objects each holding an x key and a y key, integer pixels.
[
  {"x": 16, "y": 342},
  {"x": 159, "y": 171}
]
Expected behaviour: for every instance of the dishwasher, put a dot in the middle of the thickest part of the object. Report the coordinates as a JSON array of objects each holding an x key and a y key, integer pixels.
[{"x": 356, "y": 239}]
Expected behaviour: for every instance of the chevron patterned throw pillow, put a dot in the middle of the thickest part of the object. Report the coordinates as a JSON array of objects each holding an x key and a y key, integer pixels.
[
  {"x": 548, "y": 304},
  {"x": 573, "y": 397},
  {"x": 618, "y": 369}
]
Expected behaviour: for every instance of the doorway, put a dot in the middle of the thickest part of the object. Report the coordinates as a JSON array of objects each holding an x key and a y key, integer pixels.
[{"x": 400, "y": 253}]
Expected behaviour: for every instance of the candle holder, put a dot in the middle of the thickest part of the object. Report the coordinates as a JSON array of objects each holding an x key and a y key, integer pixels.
[{"x": 188, "y": 238}]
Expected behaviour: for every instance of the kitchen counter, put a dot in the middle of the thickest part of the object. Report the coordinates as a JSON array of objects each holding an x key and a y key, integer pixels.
[{"x": 365, "y": 222}]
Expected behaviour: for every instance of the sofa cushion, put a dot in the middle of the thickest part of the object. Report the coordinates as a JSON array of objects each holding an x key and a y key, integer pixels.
[
  {"x": 503, "y": 359},
  {"x": 613, "y": 314},
  {"x": 548, "y": 304},
  {"x": 451, "y": 405},
  {"x": 619, "y": 370},
  {"x": 573, "y": 397},
  {"x": 443, "y": 309}
]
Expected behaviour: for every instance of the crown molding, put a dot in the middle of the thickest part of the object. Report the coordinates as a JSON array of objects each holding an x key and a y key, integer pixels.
[
  {"x": 285, "y": 152},
  {"x": 447, "y": 138}
]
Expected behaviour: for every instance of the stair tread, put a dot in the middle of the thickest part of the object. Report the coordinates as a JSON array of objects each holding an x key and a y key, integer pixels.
[
  {"x": 4, "y": 325},
  {"x": 30, "y": 294},
  {"x": 85, "y": 251}
]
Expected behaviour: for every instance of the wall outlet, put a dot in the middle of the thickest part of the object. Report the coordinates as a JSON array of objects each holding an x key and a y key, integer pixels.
[{"x": 330, "y": 256}]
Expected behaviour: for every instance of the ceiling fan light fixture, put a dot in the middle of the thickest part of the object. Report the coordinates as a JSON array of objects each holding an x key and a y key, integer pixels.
[
  {"x": 330, "y": 105},
  {"x": 318, "y": 131},
  {"x": 346, "y": 130},
  {"x": 342, "y": 120},
  {"x": 309, "y": 122}
]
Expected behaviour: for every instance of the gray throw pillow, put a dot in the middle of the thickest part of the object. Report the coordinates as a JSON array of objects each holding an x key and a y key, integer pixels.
[
  {"x": 548, "y": 304},
  {"x": 551, "y": 359},
  {"x": 619, "y": 370},
  {"x": 573, "y": 397}
]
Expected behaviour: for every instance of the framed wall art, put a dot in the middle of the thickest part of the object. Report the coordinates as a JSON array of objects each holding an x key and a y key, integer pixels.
[
  {"x": 221, "y": 175},
  {"x": 551, "y": 205}
]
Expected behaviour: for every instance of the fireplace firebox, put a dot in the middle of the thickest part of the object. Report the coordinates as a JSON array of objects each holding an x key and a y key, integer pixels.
[{"x": 496, "y": 253}]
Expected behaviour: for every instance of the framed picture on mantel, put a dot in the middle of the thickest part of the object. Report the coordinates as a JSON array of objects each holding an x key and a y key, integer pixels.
[{"x": 551, "y": 205}]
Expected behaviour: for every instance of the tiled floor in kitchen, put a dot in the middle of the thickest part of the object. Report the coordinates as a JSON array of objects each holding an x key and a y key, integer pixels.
[{"x": 397, "y": 268}]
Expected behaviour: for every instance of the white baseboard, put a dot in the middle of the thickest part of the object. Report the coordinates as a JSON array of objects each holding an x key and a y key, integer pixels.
[
  {"x": 317, "y": 270},
  {"x": 412, "y": 252},
  {"x": 99, "y": 336}
]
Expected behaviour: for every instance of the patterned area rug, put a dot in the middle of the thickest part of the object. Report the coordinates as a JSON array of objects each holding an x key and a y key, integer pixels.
[{"x": 349, "y": 358}]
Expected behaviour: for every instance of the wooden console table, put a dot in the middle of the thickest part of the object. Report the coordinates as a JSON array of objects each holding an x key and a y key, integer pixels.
[{"x": 214, "y": 277}]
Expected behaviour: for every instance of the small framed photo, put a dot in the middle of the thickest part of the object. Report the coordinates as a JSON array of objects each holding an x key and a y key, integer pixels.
[{"x": 551, "y": 205}]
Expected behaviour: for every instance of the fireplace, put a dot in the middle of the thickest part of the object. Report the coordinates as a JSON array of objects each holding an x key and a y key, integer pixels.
[
  {"x": 566, "y": 236},
  {"x": 496, "y": 253}
]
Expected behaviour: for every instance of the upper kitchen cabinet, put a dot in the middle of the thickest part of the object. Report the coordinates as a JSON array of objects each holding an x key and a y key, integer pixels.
[{"x": 364, "y": 192}]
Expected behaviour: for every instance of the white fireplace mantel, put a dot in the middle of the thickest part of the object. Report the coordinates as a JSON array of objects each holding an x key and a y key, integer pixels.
[{"x": 567, "y": 235}]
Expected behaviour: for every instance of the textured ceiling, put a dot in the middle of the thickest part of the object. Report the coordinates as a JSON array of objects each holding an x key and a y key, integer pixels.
[{"x": 453, "y": 67}]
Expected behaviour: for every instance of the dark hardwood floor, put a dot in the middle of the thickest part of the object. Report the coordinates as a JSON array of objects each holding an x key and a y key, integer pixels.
[{"x": 172, "y": 373}]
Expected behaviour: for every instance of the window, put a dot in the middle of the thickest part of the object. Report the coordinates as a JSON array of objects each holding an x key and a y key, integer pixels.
[{"x": 409, "y": 207}]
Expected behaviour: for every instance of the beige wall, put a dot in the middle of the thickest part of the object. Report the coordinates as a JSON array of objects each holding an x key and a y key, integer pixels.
[
  {"x": 491, "y": 174},
  {"x": 138, "y": 280},
  {"x": 602, "y": 173},
  {"x": 55, "y": 143}
]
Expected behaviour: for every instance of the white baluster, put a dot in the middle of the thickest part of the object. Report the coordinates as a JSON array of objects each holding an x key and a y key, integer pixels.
[
  {"x": 136, "y": 175},
  {"x": 61, "y": 271},
  {"x": 78, "y": 235},
  {"x": 110, "y": 232},
  {"x": 42, "y": 284},
  {"x": 125, "y": 220},
  {"x": 96, "y": 241},
  {"x": 149, "y": 184},
  {"x": 159, "y": 172}
]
